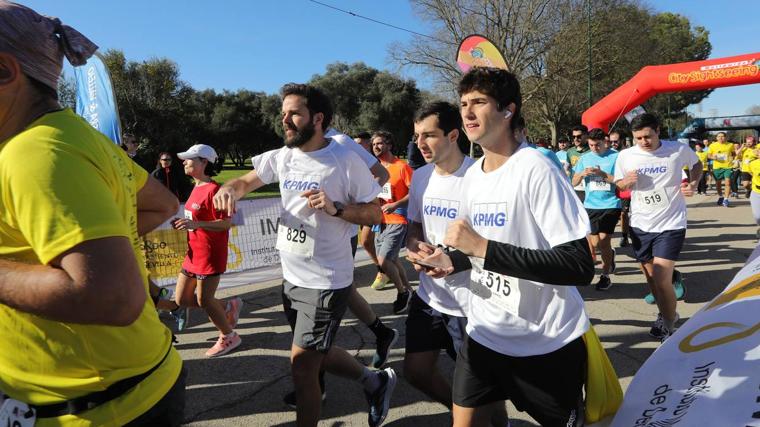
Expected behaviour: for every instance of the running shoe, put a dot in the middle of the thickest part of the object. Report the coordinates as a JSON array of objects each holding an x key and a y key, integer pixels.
[
  {"x": 380, "y": 281},
  {"x": 182, "y": 316},
  {"x": 603, "y": 284},
  {"x": 678, "y": 285},
  {"x": 659, "y": 330},
  {"x": 725, "y": 203},
  {"x": 720, "y": 201},
  {"x": 734, "y": 195},
  {"x": 384, "y": 345},
  {"x": 224, "y": 345},
  {"x": 402, "y": 302},
  {"x": 290, "y": 398},
  {"x": 649, "y": 299},
  {"x": 232, "y": 311},
  {"x": 380, "y": 400},
  {"x": 667, "y": 335}
]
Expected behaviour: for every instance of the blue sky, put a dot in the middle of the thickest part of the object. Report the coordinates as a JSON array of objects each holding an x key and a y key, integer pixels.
[{"x": 262, "y": 44}]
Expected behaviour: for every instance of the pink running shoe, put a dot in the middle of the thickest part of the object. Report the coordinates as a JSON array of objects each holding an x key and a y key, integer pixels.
[
  {"x": 224, "y": 345},
  {"x": 232, "y": 311}
]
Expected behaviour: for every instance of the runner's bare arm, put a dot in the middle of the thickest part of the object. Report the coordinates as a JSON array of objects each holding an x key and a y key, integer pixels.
[
  {"x": 390, "y": 207},
  {"x": 95, "y": 282},
  {"x": 695, "y": 174},
  {"x": 155, "y": 204},
  {"x": 234, "y": 190},
  {"x": 380, "y": 173},
  {"x": 216, "y": 225}
]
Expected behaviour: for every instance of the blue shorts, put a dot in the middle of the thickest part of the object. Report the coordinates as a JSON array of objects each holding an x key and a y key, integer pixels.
[{"x": 666, "y": 244}]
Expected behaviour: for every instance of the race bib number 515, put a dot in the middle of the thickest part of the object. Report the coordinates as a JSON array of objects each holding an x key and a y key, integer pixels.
[{"x": 499, "y": 290}]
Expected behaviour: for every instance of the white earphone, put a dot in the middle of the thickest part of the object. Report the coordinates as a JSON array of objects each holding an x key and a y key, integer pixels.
[{"x": 508, "y": 114}]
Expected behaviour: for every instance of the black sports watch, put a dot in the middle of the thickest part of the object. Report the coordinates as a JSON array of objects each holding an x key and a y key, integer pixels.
[{"x": 338, "y": 208}]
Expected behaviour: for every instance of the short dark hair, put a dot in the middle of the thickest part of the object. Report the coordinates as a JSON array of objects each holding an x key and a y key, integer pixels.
[
  {"x": 448, "y": 115},
  {"x": 363, "y": 135},
  {"x": 316, "y": 100},
  {"x": 499, "y": 84},
  {"x": 617, "y": 132},
  {"x": 387, "y": 136},
  {"x": 721, "y": 132},
  {"x": 563, "y": 141},
  {"x": 581, "y": 128},
  {"x": 700, "y": 144},
  {"x": 645, "y": 120},
  {"x": 596, "y": 134}
]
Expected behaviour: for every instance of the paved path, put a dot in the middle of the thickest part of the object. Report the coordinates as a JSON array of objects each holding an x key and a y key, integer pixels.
[{"x": 246, "y": 387}]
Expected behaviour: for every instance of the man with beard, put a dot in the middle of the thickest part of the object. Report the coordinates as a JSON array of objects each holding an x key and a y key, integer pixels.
[
  {"x": 325, "y": 189},
  {"x": 391, "y": 235}
]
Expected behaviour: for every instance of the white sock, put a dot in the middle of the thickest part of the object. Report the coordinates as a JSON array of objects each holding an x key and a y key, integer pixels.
[
  {"x": 230, "y": 335},
  {"x": 369, "y": 379},
  {"x": 670, "y": 324}
]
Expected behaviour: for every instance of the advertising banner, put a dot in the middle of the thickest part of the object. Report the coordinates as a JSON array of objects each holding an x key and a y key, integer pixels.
[{"x": 708, "y": 372}]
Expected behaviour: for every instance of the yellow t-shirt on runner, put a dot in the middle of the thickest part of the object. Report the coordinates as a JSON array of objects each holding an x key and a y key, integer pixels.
[
  {"x": 63, "y": 183},
  {"x": 724, "y": 154},
  {"x": 748, "y": 155},
  {"x": 754, "y": 169},
  {"x": 702, "y": 156}
]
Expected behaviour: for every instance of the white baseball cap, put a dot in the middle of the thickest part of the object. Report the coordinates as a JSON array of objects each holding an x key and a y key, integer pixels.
[{"x": 199, "y": 150}]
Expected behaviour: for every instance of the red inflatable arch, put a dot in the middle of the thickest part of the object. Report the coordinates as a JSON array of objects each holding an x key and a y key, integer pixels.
[{"x": 685, "y": 76}]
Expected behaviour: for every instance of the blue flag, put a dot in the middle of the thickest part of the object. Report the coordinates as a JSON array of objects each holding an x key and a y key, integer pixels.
[{"x": 95, "y": 98}]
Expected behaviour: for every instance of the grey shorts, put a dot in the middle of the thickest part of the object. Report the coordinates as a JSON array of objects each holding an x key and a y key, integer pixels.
[
  {"x": 390, "y": 240},
  {"x": 314, "y": 315}
]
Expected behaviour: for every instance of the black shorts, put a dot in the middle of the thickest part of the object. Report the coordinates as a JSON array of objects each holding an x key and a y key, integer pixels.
[
  {"x": 603, "y": 220},
  {"x": 427, "y": 329},
  {"x": 198, "y": 276},
  {"x": 549, "y": 387},
  {"x": 314, "y": 315},
  {"x": 665, "y": 245},
  {"x": 746, "y": 176}
]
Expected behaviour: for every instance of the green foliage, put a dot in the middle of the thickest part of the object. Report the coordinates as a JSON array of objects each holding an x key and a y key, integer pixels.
[{"x": 366, "y": 99}]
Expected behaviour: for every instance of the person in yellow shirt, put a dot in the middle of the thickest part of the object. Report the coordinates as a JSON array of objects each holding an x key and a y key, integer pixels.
[
  {"x": 748, "y": 154},
  {"x": 754, "y": 198},
  {"x": 721, "y": 152},
  {"x": 81, "y": 341},
  {"x": 699, "y": 149}
]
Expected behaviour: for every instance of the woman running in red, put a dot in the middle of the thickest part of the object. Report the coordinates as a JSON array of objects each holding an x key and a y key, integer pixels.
[{"x": 206, "y": 259}]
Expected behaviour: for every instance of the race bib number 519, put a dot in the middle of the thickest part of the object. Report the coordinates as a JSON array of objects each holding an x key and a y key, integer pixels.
[{"x": 652, "y": 201}]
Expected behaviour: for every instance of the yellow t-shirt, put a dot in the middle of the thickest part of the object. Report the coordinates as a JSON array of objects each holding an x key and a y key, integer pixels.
[
  {"x": 754, "y": 169},
  {"x": 63, "y": 183},
  {"x": 748, "y": 155},
  {"x": 702, "y": 156},
  {"x": 724, "y": 153}
]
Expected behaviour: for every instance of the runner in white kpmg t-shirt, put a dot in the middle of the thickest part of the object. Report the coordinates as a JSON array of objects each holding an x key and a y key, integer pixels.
[
  {"x": 325, "y": 188},
  {"x": 652, "y": 169},
  {"x": 438, "y": 310},
  {"x": 525, "y": 233}
]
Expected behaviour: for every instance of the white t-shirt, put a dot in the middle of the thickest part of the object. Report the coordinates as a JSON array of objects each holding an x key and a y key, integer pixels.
[
  {"x": 368, "y": 158},
  {"x": 657, "y": 204},
  {"x": 529, "y": 203},
  {"x": 434, "y": 201},
  {"x": 314, "y": 246}
]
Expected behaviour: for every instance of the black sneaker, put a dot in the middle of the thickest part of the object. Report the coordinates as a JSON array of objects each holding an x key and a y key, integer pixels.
[
  {"x": 290, "y": 398},
  {"x": 659, "y": 330},
  {"x": 380, "y": 400},
  {"x": 624, "y": 242},
  {"x": 603, "y": 284},
  {"x": 384, "y": 344},
  {"x": 402, "y": 302},
  {"x": 720, "y": 201}
]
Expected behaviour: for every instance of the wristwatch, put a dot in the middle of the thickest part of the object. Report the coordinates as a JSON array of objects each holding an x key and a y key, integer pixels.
[{"x": 338, "y": 208}]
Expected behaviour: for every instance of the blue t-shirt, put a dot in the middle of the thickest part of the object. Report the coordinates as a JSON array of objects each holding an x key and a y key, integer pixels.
[{"x": 600, "y": 194}]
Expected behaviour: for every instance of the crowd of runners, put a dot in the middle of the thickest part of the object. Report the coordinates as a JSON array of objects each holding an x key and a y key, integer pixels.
[{"x": 500, "y": 245}]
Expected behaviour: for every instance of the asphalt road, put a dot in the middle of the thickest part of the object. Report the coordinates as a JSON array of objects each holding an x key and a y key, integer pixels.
[{"x": 245, "y": 387}]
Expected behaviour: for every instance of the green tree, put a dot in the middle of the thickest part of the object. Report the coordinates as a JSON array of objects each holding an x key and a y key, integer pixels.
[{"x": 367, "y": 99}]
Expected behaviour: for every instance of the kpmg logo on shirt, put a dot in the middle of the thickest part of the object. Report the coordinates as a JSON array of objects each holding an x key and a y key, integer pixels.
[
  {"x": 489, "y": 214},
  {"x": 653, "y": 169},
  {"x": 297, "y": 182},
  {"x": 440, "y": 207}
]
